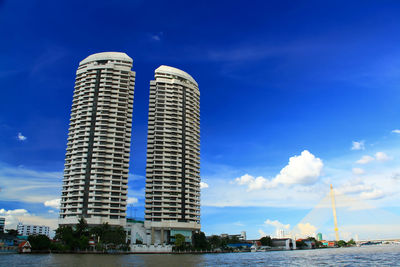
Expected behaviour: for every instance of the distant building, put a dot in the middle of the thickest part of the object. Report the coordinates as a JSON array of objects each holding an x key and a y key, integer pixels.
[
  {"x": 24, "y": 247},
  {"x": 8, "y": 243},
  {"x": 308, "y": 243},
  {"x": 241, "y": 236},
  {"x": 330, "y": 244},
  {"x": 280, "y": 233},
  {"x": 2, "y": 224},
  {"x": 319, "y": 237},
  {"x": 283, "y": 243},
  {"x": 26, "y": 230}
]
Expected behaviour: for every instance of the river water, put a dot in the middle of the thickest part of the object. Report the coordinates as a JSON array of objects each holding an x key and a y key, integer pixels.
[{"x": 356, "y": 256}]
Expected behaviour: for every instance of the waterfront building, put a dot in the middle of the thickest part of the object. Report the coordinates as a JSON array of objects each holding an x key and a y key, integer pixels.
[
  {"x": 95, "y": 180},
  {"x": 172, "y": 204},
  {"x": 27, "y": 229},
  {"x": 2, "y": 224},
  {"x": 283, "y": 243},
  {"x": 242, "y": 236},
  {"x": 135, "y": 232}
]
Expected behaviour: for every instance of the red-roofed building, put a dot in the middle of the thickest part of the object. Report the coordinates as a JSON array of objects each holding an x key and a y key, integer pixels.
[{"x": 24, "y": 247}]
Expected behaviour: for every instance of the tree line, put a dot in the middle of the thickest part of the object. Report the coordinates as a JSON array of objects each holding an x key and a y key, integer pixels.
[{"x": 76, "y": 238}]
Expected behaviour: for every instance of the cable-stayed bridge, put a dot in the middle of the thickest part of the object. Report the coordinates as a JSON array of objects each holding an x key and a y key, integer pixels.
[{"x": 339, "y": 216}]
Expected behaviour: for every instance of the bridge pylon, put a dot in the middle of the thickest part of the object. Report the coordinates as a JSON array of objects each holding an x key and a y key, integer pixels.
[{"x": 334, "y": 213}]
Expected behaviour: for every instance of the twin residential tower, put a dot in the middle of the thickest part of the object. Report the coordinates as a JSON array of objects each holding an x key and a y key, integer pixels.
[{"x": 95, "y": 183}]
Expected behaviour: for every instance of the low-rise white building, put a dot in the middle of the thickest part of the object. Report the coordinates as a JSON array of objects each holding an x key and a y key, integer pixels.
[
  {"x": 25, "y": 229},
  {"x": 135, "y": 232},
  {"x": 140, "y": 239}
]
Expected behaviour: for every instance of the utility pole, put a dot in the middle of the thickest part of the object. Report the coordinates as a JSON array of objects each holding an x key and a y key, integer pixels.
[{"x": 334, "y": 214}]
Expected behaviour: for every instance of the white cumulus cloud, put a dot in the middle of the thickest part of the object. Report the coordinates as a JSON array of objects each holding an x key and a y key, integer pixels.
[
  {"x": 304, "y": 169},
  {"x": 203, "y": 185},
  {"x": 22, "y": 215},
  {"x": 20, "y": 137},
  {"x": 54, "y": 203},
  {"x": 396, "y": 131},
  {"x": 358, "y": 145},
  {"x": 307, "y": 229},
  {"x": 132, "y": 200}
]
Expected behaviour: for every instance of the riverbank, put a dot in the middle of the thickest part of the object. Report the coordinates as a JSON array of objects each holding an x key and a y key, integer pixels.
[{"x": 354, "y": 256}]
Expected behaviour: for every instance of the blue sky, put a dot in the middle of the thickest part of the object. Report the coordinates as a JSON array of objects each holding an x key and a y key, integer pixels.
[{"x": 279, "y": 80}]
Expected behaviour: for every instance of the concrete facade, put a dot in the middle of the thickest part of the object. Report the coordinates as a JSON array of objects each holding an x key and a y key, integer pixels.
[
  {"x": 2, "y": 224},
  {"x": 25, "y": 229},
  {"x": 173, "y": 156},
  {"x": 135, "y": 232},
  {"x": 95, "y": 180}
]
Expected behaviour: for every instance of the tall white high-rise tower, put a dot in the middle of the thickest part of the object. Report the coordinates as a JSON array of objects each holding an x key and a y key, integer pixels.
[
  {"x": 173, "y": 156},
  {"x": 95, "y": 180}
]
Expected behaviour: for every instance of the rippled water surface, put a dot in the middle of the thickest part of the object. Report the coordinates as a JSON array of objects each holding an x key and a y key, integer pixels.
[{"x": 363, "y": 256}]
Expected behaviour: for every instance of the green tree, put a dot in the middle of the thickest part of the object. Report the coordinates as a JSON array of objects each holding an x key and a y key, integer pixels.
[
  {"x": 12, "y": 232},
  {"x": 215, "y": 241},
  {"x": 200, "y": 241},
  {"x": 179, "y": 241},
  {"x": 300, "y": 244},
  {"x": 316, "y": 242},
  {"x": 266, "y": 241},
  {"x": 341, "y": 243},
  {"x": 351, "y": 242},
  {"x": 82, "y": 228},
  {"x": 39, "y": 242},
  {"x": 65, "y": 234},
  {"x": 83, "y": 242}
]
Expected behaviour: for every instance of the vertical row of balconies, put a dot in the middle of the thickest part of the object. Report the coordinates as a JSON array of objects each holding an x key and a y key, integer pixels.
[
  {"x": 164, "y": 171},
  {"x": 107, "y": 193}
]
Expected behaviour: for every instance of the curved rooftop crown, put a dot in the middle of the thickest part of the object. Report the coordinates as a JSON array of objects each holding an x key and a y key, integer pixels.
[
  {"x": 107, "y": 56},
  {"x": 175, "y": 71}
]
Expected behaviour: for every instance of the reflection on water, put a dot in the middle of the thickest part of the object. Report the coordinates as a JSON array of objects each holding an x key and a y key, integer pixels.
[{"x": 363, "y": 256}]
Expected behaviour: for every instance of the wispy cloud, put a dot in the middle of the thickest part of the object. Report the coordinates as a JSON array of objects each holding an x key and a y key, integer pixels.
[
  {"x": 157, "y": 36},
  {"x": 132, "y": 200},
  {"x": 358, "y": 145},
  {"x": 396, "y": 131},
  {"x": 365, "y": 159},
  {"x": 358, "y": 171},
  {"x": 277, "y": 224},
  {"x": 379, "y": 156},
  {"x": 28, "y": 185}
]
